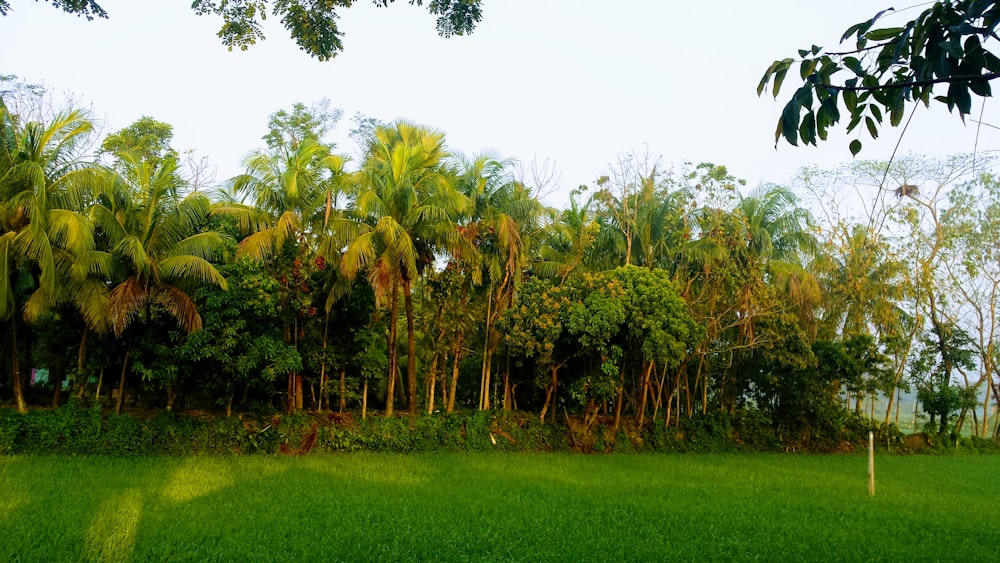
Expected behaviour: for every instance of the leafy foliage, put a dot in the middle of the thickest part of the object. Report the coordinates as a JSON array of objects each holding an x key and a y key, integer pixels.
[
  {"x": 888, "y": 68},
  {"x": 146, "y": 138},
  {"x": 84, "y": 8},
  {"x": 313, "y": 23}
]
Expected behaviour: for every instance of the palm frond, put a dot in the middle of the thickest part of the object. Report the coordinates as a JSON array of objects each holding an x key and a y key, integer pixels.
[
  {"x": 190, "y": 267},
  {"x": 382, "y": 276},
  {"x": 259, "y": 245},
  {"x": 124, "y": 303},
  {"x": 249, "y": 219},
  {"x": 131, "y": 249},
  {"x": 92, "y": 299},
  {"x": 71, "y": 230},
  {"x": 7, "y": 267},
  {"x": 209, "y": 245},
  {"x": 179, "y": 305},
  {"x": 360, "y": 254}
]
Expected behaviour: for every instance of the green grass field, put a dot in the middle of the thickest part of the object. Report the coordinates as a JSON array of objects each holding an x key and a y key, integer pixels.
[{"x": 511, "y": 507}]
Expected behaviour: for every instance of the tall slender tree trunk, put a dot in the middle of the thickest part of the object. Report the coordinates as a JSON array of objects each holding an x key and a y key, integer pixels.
[
  {"x": 670, "y": 398},
  {"x": 343, "y": 389},
  {"x": 900, "y": 368},
  {"x": 986, "y": 402},
  {"x": 942, "y": 345},
  {"x": 658, "y": 396},
  {"x": 390, "y": 392},
  {"x": 324, "y": 391},
  {"x": 440, "y": 359},
  {"x": 298, "y": 376},
  {"x": 15, "y": 369},
  {"x": 444, "y": 381},
  {"x": 687, "y": 391},
  {"x": 431, "y": 384},
  {"x": 411, "y": 350},
  {"x": 897, "y": 407},
  {"x": 484, "y": 381},
  {"x": 81, "y": 361},
  {"x": 364, "y": 400},
  {"x": 550, "y": 393},
  {"x": 120, "y": 402},
  {"x": 618, "y": 402},
  {"x": 506, "y": 390},
  {"x": 294, "y": 393},
  {"x": 100, "y": 383},
  {"x": 454, "y": 371},
  {"x": 647, "y": 374},
  {"x": 701, "y": 378}
]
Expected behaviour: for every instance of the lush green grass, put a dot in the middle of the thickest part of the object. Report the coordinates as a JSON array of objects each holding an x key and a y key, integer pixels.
[{"x": 475, "y": 507}]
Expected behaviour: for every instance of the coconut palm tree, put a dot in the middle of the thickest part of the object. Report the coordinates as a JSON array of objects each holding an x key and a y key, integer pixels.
[
  {"x": 160, "y": 247},
  {"x": 41, "y": 175},
  {"x": 405, "y": 207},
  {"x": 503, "y": 218},
  {"x": 292, "y": 192},
  {"x": 571, "y": 241},
  {"x": 767, "y": 248},
  {"x": 779, "y": 239}
]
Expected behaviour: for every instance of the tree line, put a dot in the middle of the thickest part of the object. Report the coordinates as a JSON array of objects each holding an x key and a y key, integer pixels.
[{"x": 417, "y": 278}]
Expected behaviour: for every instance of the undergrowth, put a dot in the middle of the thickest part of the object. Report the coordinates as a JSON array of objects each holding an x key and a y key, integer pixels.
[{"x": 78, "y": 429}]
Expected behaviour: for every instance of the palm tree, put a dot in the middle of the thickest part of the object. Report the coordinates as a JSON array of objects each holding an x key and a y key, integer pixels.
[
  {"x": 572, "y": 241},
  {"x": 404, "y": 209},
  {"x": 157, "y": 238},
  {"x": 503, "y": 218},
  {"x": 768, "y": 249},
  {"x": 293, "y": 191},
  {"x": 778, "y": 239},
  {"x": 41, "y": 174}
]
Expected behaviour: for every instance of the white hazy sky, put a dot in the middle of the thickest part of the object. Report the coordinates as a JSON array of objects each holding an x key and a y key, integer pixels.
[{"x": 575, "y": 82}]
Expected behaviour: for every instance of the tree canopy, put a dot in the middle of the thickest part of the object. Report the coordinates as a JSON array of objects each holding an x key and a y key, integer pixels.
[
  {"x": 943, "y": 54},
  {"x": 312, "y": 24}
]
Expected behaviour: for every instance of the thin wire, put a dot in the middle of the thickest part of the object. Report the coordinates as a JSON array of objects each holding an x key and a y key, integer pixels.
[
  {"x": 975, "y": 145},
  {"x": 885, "y": 175}
]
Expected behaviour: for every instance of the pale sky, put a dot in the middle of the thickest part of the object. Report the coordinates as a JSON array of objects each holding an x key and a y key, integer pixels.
[{"x": 574, "y": 82}]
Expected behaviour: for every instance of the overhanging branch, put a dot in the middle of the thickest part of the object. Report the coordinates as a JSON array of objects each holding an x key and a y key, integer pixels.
[{"x": 898, "y": 85}]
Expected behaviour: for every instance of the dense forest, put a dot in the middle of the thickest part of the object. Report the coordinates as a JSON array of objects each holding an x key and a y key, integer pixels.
[{"x": 416, "y": 278}]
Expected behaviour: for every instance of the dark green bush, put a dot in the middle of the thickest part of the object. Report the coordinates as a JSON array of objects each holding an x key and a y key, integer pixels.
[
  {"x": 10, "y": 430},
  {"x": 86, "y": 430},
  {"x": 709, "y": 432},
  {"x": 125, "y": 435}
]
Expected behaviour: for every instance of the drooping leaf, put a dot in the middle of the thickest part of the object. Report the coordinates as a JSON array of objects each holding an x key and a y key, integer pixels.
[
  {"x": 884, "y": 33},
  {"x": 855, "y": 147}
]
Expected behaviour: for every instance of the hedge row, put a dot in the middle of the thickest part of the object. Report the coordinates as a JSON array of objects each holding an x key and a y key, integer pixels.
[{"x": 77, "y": 429}]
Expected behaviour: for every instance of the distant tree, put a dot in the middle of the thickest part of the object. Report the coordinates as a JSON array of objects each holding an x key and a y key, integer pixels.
[
  {"x": 147, "y": 138},
  {"x": 311, "y": 23},
  {"x": 943, "y": 351},
  {"x": 292, "y": 189},
  {"x": 287, "y": 129},
  {"x": 536, "y": 329}
]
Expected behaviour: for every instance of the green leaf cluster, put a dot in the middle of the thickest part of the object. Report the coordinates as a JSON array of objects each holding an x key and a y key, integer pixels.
[{"x": 888, "y": 68}]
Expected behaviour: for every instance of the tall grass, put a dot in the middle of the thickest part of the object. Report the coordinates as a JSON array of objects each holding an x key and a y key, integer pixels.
[{"x": 510, "y": 507}]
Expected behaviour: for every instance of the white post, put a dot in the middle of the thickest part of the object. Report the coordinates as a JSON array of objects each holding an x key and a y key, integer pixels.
[{"x": 871, "y": 464}]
